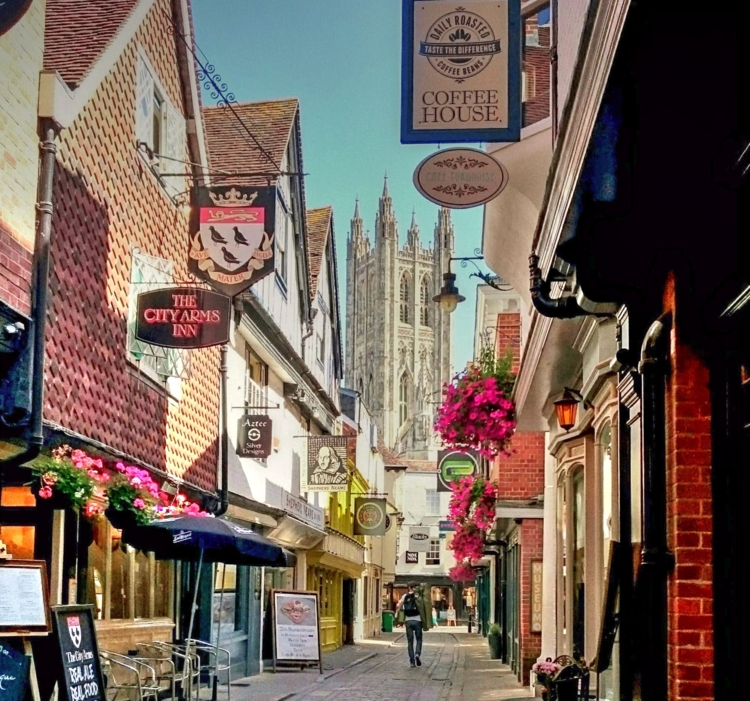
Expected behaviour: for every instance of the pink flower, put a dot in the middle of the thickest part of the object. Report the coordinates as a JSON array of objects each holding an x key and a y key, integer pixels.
[
  {"x": 45, "y": 492},
  {"x": 139, "y": 503},
  {"x": 49, "y": 478}
]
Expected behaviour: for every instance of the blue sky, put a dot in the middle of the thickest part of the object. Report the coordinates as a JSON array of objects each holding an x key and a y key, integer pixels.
[{"x": 342, "y": 59}]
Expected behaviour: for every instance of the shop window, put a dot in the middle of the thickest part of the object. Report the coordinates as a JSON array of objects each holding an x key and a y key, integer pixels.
[
  {"x": 432, "y": 502},
  {"x": 607, "y": 485},
  {"x": 378, "y": 595},
  {"x": 579, "y": 563},
  {"x": 17, "y": 535},
  {"x": 366, "y": 596},
  {"x": 225, "y": 601},
  {"x": 433, "y": 556},
  {"x": 562, "y": 565},
  {"x": 121, "y": 582}
]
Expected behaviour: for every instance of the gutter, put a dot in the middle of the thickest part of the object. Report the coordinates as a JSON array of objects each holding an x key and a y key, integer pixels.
[
  {"x": 224, "y": 458},
  {"x": 35, "y": 439}
]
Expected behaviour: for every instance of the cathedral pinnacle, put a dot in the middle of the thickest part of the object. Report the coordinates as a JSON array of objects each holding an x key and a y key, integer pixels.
[
  {"x": 385, "y": 185},
  {"x": 356, "y": 209}
]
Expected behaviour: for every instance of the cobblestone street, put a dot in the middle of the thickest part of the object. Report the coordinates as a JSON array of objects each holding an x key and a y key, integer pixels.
[{"x": 455, "y": 667}]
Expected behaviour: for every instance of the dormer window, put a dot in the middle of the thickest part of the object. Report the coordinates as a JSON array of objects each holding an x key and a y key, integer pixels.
[{"x": 157, "y": 123}]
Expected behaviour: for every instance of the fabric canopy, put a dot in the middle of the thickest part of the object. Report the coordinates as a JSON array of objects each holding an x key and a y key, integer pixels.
[{"x": 194, "y": 538}]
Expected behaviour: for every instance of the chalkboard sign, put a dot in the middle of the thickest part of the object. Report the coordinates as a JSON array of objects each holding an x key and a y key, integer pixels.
[
  {"x": 14, "y": 674},
  {"x": 76, "y": 637},
  {"x": 296, "y": 628}
]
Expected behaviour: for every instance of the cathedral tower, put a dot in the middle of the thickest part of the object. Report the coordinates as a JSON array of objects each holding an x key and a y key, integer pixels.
[{"x": 398, "y": 341}]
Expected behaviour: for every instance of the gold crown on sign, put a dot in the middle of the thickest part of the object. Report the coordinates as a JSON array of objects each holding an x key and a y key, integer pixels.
[{"x": 233, "y": 198}]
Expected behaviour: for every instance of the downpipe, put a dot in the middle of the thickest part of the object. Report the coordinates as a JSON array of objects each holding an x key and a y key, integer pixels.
[
  {"x": 560, "y": 308},
  {"x": 224, "y": 491},
  {"x": 656, "y": 559},
  {"x": 35, "y": 438}
]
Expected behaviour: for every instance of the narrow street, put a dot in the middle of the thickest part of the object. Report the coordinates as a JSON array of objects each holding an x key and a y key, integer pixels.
[{"x": 456, "y": 666}]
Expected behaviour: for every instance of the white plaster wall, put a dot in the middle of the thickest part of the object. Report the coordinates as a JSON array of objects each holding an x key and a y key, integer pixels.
[{"x": 570, "y": 22}]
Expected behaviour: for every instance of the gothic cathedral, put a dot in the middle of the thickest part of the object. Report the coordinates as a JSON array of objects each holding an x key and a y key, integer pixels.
[{"x": 398, "y": 341}]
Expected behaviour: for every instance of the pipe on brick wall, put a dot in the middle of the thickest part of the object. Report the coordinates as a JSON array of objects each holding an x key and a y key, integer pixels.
[
  {"x": 35, "y": 437},
  {"x": 224, "y": 458},
  {"x": 655, "y": 555}
]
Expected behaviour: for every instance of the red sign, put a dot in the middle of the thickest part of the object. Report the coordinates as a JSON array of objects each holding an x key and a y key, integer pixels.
[{"x": 183, "y": 317}]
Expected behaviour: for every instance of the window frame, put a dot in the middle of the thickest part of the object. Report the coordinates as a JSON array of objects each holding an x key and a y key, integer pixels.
[
  {"x": 404, "y": 298},
  {"x": 432, "y": 502},
  {"x": 432, "y": 556},
  {"x": 403, "y": 399},
  {"x": 425, "y": 317}
]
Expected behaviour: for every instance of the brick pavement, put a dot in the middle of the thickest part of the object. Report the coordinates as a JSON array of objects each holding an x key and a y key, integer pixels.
[{"x": 456, "y": 666}]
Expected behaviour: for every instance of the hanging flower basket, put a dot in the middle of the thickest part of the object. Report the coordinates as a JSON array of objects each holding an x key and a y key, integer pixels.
[
  {"x": 476, "y": 412},
  {"x": 48, "y": 497},
  {"x": 463, "y": 573}
]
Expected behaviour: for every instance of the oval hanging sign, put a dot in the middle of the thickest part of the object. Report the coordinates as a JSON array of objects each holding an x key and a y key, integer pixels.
[{"x": 459, "y": 178}]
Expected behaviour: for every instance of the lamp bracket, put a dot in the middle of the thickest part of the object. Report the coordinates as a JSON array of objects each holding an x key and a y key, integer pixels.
[{"x": 578, "y": 396}]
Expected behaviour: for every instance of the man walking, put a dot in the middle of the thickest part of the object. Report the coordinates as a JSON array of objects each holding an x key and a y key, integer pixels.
[{"x": 414, "y": 608}]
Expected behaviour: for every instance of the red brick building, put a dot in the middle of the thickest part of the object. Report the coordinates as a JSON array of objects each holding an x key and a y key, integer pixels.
[{"x": 118, "y": 108}]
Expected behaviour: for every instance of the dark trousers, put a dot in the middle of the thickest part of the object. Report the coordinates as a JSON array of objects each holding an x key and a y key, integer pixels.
[{"x": 414, "y": 629}]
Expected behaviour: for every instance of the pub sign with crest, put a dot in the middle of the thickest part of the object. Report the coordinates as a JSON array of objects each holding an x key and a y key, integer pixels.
[{"x": 232, "y": 236}]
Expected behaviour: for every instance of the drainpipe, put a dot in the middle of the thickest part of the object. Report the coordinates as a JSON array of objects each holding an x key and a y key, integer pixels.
[
  {"x": 35, "y": 438},
  {"x": 656, "y": 559},
  {"x": 224, "y": 492},
  {"x": 561, "y": 308}
]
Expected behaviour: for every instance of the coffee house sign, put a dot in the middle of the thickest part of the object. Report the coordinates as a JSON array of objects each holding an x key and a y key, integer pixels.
[
  {"x": 461, "y": 71},
  {"x": 183, "y": 317}
]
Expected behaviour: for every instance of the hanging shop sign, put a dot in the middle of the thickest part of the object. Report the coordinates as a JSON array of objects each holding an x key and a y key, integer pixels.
[
  {"x": 419, "y": 539},
  {"x": 453, "y": 465},
  {"x": 79, "y": 651},
  {"x": 326, "y": 464},
  {"x": 232, "y": 239},
  {"x": 459, "y": 178},
  {"x": 255, "y": 436},
  {"x": 296, "y": 629},
  {"x": 369, "y": 516},
  {"x": 446, "y": 526},
  {"x": 412, "y": 558},
  {"x": 11, "y": 12},
  {"x": 183, "y": 317},
  {"x": 461, "y": 71},
  {"x": 388, "y": 523},
  {"x": 536, "y": 596}
]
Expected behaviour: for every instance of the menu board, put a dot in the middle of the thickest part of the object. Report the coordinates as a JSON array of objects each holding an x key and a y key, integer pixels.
[
  {"x": 296, "y": 627},
  {"x": 23, "y": 598},
  {"x": 14, "y": 674},
  {"x": 76, "y": 636}
]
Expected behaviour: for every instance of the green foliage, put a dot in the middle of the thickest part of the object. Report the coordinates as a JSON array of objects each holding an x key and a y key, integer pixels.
[
  {"x": 73, "y": 483},
  {"x": 494, "y": 629},
  {"x": 499, "y": 368}
]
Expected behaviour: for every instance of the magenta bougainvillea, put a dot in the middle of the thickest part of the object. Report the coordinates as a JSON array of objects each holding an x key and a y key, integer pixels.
[
  {"x": 476, "y": 413},
  {"x": 472, "y": 510},
  {"x": 88, "y": 485}
]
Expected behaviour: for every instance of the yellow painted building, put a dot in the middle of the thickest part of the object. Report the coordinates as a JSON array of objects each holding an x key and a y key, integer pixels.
[{"x": 335, "y": 568}]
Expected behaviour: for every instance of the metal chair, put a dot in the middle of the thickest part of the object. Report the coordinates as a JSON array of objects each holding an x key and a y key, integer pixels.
[
  {"x": 187, "y": 667},
  {"x": 215, "y": 663},
  {"x": 128, "y": 676}
]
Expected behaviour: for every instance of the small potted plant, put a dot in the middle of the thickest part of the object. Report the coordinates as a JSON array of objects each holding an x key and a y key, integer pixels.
[
  {"x": 545, "y": 671},
  {"x": 493, "y": 639}
]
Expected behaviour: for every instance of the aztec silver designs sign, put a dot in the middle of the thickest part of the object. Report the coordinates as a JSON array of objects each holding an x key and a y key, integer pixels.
[
  {"x": 459, "y": 178},
  {"x": 461, "y": 71},
  {"x": 326, "y": 464},
  {"x": 231, "y": 245}
]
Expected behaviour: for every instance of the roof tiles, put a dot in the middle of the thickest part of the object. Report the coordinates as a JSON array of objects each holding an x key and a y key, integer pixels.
[
  {"x": 77, "y": 32},
  {"x": 318, "y": 226},
  {"x": 258, "y": 146}
]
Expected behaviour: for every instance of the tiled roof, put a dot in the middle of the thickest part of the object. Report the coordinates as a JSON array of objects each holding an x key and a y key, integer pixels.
[
  {"x": 389, "y": 458},
  {"x": 232, "y": 148},
  {"x": 318, "y": 225},
  {"x": 420, "y": 465},
  {"x": 77, "y": 32}
]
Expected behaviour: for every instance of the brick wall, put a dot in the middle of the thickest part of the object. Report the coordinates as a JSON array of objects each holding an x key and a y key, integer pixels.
[
  {"x": 106, "y": 204},
  {"x": 536, "y": 67},
  {"x": 21, "y": 50},
  {"x": 532, "y": 543},
  {"x": 689, "y": 520},
  {"x": 521, "y": 475},
  {"x": 508, "y": 337}
]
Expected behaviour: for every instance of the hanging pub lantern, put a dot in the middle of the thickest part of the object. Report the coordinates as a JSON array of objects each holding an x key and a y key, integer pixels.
[{"x": 566, "y": 408}]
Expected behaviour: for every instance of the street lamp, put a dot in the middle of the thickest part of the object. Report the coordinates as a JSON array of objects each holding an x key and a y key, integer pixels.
[
  {"x": 566, "y": 408},
  {"x": 449, "y": 297}
]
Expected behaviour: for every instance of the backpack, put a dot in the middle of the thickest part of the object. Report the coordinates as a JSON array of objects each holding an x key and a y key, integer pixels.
[{"x": 410, "y": 606}]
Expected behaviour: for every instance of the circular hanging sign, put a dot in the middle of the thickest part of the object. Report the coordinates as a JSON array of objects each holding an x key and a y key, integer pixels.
[
  {"x": 453, "y": 465},
  {"x": 11, "y": 12},
  {"x": 459, "y": 178}
]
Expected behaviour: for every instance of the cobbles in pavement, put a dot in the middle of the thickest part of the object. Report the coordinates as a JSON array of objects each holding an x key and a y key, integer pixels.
[{"x": 455, "y": 667}]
